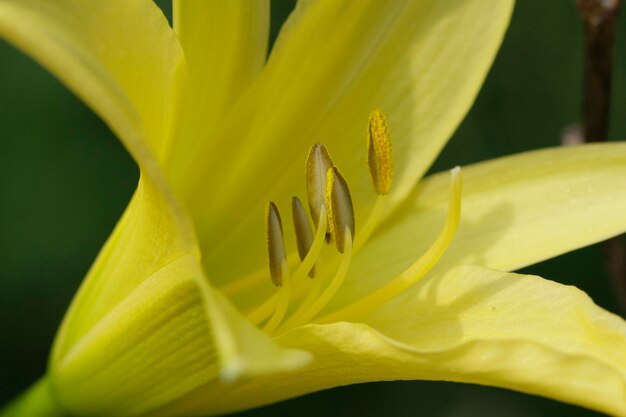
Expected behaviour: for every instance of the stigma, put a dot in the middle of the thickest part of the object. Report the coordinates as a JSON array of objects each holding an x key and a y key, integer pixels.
[{"x": 302, "y": 296}]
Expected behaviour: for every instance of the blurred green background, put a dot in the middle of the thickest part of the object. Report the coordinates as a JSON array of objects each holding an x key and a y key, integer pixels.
[{"x": 65, "y": 180}]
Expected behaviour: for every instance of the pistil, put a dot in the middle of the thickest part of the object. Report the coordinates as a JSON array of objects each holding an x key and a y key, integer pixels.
[{"x": 332, "y": 211}]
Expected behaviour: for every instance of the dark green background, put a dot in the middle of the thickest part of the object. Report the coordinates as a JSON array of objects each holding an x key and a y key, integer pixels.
[{"x": 65, "y": 180}]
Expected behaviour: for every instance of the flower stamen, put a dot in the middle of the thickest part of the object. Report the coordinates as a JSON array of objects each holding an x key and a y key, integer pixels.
[
  {"x": 416, "y": 271},
  {"x": 380, "y": 162},
  {"x": 340, "y": 209},
  {"x": 340, "y": 217},
  {"x": 379, "y": 155},
  {"x": 282, "y": 301},
  {"x": 318, "y": 305},
  {"x": 332, "y": 209},
  {"x": 304, "y": 235},
  {"x": 315, "y": 249},
  {"x": 265, "y": 310},
  {"x": 275, "y": 243},
  {"x": 279, "y": 271},
  {"x": 373, "y": 220},
  {"x": 317, "y": 164},
  {"x": 277, "y": 262}
]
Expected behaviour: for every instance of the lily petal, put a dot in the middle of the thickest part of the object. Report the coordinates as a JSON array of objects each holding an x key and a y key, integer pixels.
[
  {"x": 146, "y": 308},
  {"x": 225, "y": 44},
  {"x": 470, "y": 325},
  {"x": 516, "y": 211},
  {"x": 119, "y": 56},
  {"x": 421, "y": 61},
  {"x": 145, "y": 305}
]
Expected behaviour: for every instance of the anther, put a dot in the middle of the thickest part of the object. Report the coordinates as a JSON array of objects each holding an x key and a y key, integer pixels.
[
  {"x": 317, "y": 165},
  {"x": 379, "y": 156},
  {"x": 340, "y": 209},
  {"x": 304, "y": 235},
  {"x": 275, "y": 243}
]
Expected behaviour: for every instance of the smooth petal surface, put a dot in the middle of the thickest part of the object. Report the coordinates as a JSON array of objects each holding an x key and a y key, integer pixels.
[
  {"x": 516, "y": 211},
  {"x": 470, "y": 325},
  {"x": 421, "y": 61},
  {"x": 225, "y": 43},
  {"x": 119, "y": 56}
]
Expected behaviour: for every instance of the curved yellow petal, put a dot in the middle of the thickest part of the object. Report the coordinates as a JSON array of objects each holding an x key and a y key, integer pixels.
[
  {"x": 225, "y": 44},
  {"x": 471, "y": 325},
  {"x": 151, "y": 235},
  {"x": 146, "y": 328},
  {"x": 514, "y": 331},
  {"x": 516, "y": 211},
  {"x": 422, "y": 62},
  {"x": 119, "y": 56}
]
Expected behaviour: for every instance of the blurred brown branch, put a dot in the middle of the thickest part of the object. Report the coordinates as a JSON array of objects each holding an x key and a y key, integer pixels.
[{"x": 600, "y": 20}]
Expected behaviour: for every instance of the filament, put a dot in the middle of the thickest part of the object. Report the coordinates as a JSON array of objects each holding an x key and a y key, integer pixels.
[
  {"x": 316, "y": 248},
  {"x": 332, "y": 210},
  {"x": 264, "y": 310},
  {"x": 416, "y": 271},
  {"x": 372, "y": 222},
  {"x": 282, "y": 303},
  {"x": 330, "y": 291}
]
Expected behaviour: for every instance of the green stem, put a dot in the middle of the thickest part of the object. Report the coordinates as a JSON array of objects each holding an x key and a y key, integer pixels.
[{"x": 38, "y": 401}]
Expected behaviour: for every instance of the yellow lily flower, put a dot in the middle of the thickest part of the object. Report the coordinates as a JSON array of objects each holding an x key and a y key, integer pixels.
[{"x": 178, "y": 315}]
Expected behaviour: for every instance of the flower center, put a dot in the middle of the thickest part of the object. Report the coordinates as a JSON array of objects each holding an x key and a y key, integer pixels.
[{"x": 301, "y": 297}]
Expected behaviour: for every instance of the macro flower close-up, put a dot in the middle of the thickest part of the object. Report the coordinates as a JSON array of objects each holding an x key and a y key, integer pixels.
[{"x": 283, "y": 237}]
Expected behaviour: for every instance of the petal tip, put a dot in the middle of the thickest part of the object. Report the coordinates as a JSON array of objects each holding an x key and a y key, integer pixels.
[{"x": 231, "y": 371}]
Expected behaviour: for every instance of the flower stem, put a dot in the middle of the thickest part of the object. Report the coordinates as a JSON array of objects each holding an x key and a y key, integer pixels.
[
  {"x": 600, "y": 20},
  {"x": 38, "y": 401}
]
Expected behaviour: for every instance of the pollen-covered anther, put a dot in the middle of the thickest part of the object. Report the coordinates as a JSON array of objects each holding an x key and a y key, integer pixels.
[
  {"x": 340, "y": 209},
  {"x": 317, "y": 164},
  {"x": 379, "y": 157},
  {"x": 304, "y": 235},
  {"x": 275, "y": 243}
]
